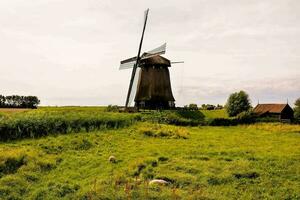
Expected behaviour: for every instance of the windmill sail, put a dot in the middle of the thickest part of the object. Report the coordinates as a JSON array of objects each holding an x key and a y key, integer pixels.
[
  {"x": 137, "y": 59},
  {"x": 134, "y": 87},
  {"x": 159, "y": 50},
  {"x": 177, "y": 62},
  {"x": 128, "y": 63}
]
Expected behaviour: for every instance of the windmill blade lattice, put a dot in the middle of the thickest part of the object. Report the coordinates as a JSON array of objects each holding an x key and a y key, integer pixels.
[{"x": 158, "y": 51}]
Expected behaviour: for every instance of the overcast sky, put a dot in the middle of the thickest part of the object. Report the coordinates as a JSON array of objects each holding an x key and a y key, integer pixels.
[{"x": 67, "y": 52}]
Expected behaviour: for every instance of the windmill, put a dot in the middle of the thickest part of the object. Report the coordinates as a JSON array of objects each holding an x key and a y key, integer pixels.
[{"x": 149, "y": 85}]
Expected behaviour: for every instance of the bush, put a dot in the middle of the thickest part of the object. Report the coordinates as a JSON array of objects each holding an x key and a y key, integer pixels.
[
  {"x": 246, "y": 117},
  {"x": 222, "y": 122},
  {"x": 238, "y": 102},
  {"x": 242, "y": 118},
  {"x": 112, "y": 108},
  {"x": 297, "y": 110},
  {"x": 267, "y": 119}
]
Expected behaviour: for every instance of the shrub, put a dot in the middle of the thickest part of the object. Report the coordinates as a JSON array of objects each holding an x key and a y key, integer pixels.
[
  {"x": 267, "y": 119},
  {"x": 112, "y": 108},
  {"x": 246, "y": 117},
  {"x": 242, "y": 118},
  {"x": 222, "y": 122}
]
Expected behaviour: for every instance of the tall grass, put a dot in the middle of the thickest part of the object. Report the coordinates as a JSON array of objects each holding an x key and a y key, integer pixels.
[
  {"x": 211, "y": 114},
  {"x": 33, "y": 124},
  {"x": 175, "y": 117}
]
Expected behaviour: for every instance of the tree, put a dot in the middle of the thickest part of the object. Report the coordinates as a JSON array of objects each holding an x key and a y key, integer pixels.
[
  {"x": 31, "y": 101},
  {"x": 208, "y": 107},
  {"x": 297, "y": 109},
  {"x": 238, "y": 102},
  {"x": 193, "y": 106},
  {"x": 9, "y": 101},
  {"x": 219, "y": 107},
  {"x": 2, "y": 101},
  {"x": 16, "y": 101}
]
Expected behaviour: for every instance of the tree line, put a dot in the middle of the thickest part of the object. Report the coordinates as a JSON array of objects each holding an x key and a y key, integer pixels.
[{"x": 17, "y": 101}]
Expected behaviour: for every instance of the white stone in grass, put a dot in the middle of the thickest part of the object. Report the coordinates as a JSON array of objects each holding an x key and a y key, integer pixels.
[
  {"x": 112, "y": 159},
  {"x": 159, "y": 182}
]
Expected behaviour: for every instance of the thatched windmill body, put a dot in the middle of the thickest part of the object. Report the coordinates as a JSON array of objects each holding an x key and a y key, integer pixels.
[{"x": 150, "y": 85}]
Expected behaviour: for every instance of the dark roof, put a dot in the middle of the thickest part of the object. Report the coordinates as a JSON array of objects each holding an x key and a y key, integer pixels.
[
  {"x": 155, "y": 60},
  {"x": 271, "y": 108}
]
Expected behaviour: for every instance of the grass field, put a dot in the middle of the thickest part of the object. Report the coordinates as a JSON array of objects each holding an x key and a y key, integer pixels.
[
  {"x": 210, "y": 114},
  {"x": 260, "y": 161},
  {"x": 12, "y": 110}
]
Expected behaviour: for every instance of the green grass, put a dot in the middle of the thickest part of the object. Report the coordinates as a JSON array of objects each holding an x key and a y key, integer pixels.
[
  {"x": 61, "y": 120},
  {"x": 175, "y": 117},
  {"x": 210, "y": 114},
  {"x": 260, "y": 161},
  {"x": 17, "y": 124}
]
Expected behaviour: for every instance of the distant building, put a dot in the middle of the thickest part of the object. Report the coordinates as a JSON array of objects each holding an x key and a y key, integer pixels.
[{"x": 276, "y": 111}]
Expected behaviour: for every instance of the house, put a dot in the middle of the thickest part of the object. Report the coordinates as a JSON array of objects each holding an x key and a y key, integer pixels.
[{"x": 276, "y": 111}]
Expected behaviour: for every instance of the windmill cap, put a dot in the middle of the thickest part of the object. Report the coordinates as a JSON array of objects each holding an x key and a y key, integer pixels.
[{"x": 155, "y": 60}]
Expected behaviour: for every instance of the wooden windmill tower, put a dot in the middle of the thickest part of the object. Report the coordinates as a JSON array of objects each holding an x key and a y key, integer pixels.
[{"x": 150, "y": 85}]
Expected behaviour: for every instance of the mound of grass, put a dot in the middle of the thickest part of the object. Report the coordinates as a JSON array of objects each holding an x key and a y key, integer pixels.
[
  {"x": 175, "y": 117},
  {"x": 163, "y": 131}
]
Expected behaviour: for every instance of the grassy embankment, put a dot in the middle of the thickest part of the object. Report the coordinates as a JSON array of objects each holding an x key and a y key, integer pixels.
[
  {"x": 260, "y": 161},
  {"x": 16, "y": 124}
]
